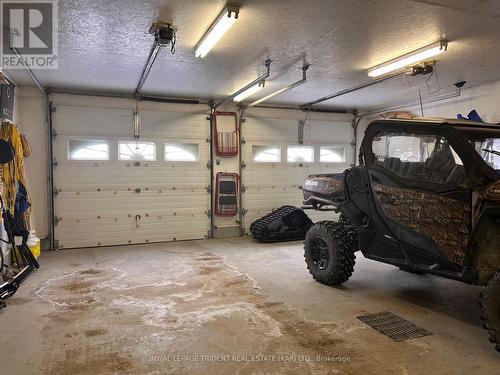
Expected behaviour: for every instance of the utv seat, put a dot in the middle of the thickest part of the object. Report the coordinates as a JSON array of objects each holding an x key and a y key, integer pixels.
[
  {"x": 440, "y": 165},
  {"x": 394, "y": 164}
]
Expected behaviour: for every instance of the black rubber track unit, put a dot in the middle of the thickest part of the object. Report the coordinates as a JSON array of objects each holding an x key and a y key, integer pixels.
[{"x": 287, "y": 223}]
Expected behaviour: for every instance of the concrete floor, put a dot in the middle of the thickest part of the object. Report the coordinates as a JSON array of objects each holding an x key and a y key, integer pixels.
[{"x": 231, "y": 307}]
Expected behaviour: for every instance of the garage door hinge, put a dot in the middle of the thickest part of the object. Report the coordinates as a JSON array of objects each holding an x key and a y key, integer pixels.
[
  {"x": 209, "y": 189},
  {"x": 208, "y": 140},
  {"x": 56, "y": 220},
  {"x": 54, "y": 134},
  {"x": 54, "y": 163},
  {"x": 243, "y": 189},
  {"x": 243, "y": 141},
  {"x": 209, "y": 213},
  {"x": 209, "y": 165},
  {"x": 243, "y": 212},
  {"x": 55, "y": 191},
  {"x": 53, "y": 109},
  {"x": 243, "y": 165}
]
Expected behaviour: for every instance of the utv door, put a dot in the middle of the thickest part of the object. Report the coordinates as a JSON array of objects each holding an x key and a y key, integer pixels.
[{"x": 417, "y": 180}]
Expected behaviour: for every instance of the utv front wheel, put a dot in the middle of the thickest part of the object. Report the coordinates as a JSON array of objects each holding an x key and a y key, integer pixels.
[
  {"x": 490, "y": 309},
  {"x": 329, "y": 253}
]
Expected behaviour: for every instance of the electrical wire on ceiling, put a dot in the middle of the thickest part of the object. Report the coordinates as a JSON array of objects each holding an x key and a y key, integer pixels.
[
  {"x": 173, "y": 42},
  {"x": 435, "y": 75},
  {"x": 409, "y": 79}
]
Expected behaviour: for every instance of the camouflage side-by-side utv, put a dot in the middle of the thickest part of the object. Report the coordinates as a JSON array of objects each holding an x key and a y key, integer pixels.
[{"x": 425, "y": 198}]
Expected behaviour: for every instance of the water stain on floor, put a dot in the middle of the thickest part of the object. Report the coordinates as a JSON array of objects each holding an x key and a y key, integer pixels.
[{"x": 194, "y": 316}]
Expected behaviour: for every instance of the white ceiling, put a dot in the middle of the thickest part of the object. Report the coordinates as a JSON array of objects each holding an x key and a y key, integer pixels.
[{"x": 103, "y": 45}]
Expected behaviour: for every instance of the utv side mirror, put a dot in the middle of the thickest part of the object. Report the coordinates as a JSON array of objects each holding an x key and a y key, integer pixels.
[{"x": 6, "y": 152}]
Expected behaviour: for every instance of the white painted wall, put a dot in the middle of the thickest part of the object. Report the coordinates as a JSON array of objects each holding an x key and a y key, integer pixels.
[
  {"x": 30, "y": 115},
  {"x": 484, "y": 99},
  {"x": 31, "y": 121}
]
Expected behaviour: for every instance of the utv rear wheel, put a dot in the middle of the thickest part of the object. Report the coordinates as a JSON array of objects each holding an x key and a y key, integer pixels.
[
  {"x": 329, "y": 253},
  {"x": 490, "y": 309}
]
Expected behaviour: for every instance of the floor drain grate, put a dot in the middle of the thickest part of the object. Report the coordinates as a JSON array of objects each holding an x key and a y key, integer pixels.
[{"x": 393, "y": 326}]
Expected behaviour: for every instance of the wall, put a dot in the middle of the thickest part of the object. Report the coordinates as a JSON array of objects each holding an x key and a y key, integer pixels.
[
  {"x": 30, "y": 115},
  {"x": 31, "y": 121},
  {"x": 484, "y": 99}
]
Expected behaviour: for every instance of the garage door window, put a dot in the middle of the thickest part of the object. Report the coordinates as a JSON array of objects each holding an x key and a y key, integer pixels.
[
  {"x": 88, "y": 150},
  {"x": 332, "y": 154},
  {"x": 137, "y": 151},
  {"x": 266, "y": 154},
  {"x": 300, "y": 154},
  {"x": 181, "y": 151}
]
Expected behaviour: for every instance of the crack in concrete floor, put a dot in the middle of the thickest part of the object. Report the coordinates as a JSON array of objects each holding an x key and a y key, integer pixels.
[
  {"x": 194, "y": 315},
  {"x": 116, "y": 322}
]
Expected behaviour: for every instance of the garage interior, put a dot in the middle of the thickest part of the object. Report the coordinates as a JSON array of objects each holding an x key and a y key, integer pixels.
[{"x": 151, "y": 155}]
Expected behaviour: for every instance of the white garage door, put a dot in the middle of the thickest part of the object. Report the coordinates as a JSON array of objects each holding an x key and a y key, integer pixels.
[
  {"x": 114, "y": 190},
  {"x": 276, "y": 164}
]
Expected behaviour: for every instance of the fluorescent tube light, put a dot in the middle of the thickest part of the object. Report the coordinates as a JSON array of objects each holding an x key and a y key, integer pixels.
[
  {"x": 250, "y": 91},
  {"x": 284, "y": 89},
  {"x": 409, "y": 59},
  {"x": 221, "y": 25}
]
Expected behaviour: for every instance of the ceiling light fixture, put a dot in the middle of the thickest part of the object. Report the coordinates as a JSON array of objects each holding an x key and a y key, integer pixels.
[
  {"x": 256, "y": 82},
  {"x": 250, "y": 91},
  {"x": 411, "y": 58},
  {"x": 222, "y": 24},
  {"x": 284, "y": 89}
]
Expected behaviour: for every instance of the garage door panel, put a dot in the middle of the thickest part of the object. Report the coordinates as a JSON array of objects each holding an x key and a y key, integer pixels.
[
  {"x": 269, "y": 186},
  {"x": 97, "y": 202},
  {"x": 119, "y": 213},
  {"x": 70, "y": 244},
  {"x": 84, "y": 121},
  {"x": 125, "y": 198},
  {"x": 83, "y": 185},
  {"x": 175, "y": 125},
  {"x": 128, "y": 228},
  {"x": 128, "y": 236}
]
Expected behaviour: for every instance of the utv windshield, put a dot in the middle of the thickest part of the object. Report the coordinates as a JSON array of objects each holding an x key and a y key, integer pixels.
[{"x": 486, "y": 142}]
